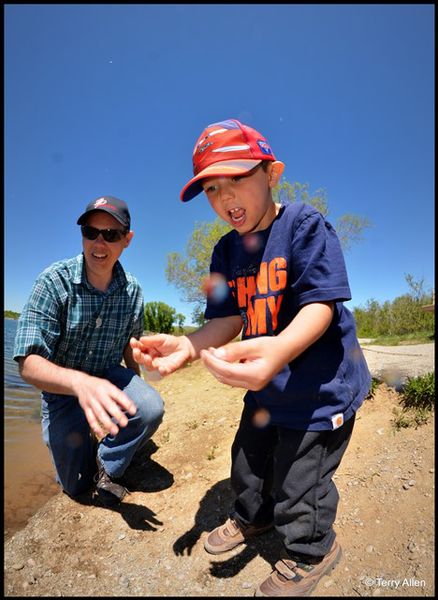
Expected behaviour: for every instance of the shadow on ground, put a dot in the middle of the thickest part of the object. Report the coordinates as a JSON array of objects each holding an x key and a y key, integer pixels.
[
  {"x": 213, "y": 510},
  {"x": 145, "y": 474},
  {"x": 142, "y": 475}
]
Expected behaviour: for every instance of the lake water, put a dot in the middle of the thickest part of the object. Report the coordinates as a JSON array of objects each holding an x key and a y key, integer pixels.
[
  {"x": 22, "y": 401},
  {"x": 29, "y": 479}
]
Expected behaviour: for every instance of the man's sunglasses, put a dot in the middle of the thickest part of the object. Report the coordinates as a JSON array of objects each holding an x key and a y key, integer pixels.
[{"x": 109, "y": 235}]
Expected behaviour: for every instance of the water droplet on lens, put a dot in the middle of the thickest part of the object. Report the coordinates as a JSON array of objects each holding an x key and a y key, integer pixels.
[
  {"x": 261, "y": 418},
  {"x": 215, "y": 288}
]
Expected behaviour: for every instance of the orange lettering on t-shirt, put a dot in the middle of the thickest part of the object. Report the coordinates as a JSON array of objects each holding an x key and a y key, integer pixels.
[
  {"x": 246, "y": 288},
  {"x": 262, "y": 278},
  {"x": 271, "y": 278},
  {"x": 256, "y": 314},
  {"x": 277, "y": 274},
  {"x": 274, "y": 303}
]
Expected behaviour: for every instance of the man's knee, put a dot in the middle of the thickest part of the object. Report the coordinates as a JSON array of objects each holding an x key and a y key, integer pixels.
[{"x": 150, "y": 405}]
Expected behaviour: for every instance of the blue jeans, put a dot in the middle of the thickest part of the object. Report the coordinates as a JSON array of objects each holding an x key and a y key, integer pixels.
[{"x": 72, "y": 445}]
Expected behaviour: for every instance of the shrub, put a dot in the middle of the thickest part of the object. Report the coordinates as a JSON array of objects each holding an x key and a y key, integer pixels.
[
  {"x": 419, "y": 392},
  {"x": 417, "y": 401}
]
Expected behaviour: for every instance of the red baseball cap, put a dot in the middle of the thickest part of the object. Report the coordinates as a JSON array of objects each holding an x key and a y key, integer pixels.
[{"x": 226, "y": 148}]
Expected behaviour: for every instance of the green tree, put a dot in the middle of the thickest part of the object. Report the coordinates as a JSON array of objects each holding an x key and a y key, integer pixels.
[
  {"x": 349, "y": 228},
  {"x": 188, "y": 272},
  {"x": 159, "y": 317},
  {"x": 180, "y": 318},
  {"x": 402, "y": 316},
  {"x": 10, "y": 314}
]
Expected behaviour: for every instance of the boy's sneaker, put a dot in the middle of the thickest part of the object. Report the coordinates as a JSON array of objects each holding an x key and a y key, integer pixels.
[
  {"x": 231, "y": 534},
  {"x": 296, "y": 578},
  {"x": 109, "y": 492}
]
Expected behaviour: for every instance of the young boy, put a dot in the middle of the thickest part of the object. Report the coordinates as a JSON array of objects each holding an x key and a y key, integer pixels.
[{"x": 299, "y": 357}]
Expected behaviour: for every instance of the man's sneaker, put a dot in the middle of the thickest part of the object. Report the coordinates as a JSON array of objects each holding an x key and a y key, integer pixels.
[
  {"x": 295, "y": 578},
  {"x": 109, "y": 492},
  {"x": 231, "y": 534}
]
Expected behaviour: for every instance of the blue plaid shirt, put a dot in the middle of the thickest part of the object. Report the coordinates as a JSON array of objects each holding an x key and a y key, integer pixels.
[{"x": 74, "y": 325}]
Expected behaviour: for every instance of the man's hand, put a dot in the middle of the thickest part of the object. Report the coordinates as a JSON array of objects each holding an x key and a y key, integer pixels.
[
  {"x": 101, "y": 400},
  {"x": 162, "y": 352}
]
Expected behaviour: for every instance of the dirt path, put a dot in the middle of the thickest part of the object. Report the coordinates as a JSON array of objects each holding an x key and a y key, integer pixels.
[
  {"x": 152, "y": 544},
  {"x": 394, "y": 364}
]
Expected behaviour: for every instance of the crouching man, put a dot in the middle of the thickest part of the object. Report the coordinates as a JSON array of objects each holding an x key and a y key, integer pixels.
[{"x": 71, "y": 338}]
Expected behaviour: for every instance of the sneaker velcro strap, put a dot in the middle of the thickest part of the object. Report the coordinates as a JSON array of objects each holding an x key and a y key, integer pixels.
[
  {"x": 231, "y": 527},
  {"x": 286, "y": 568}
]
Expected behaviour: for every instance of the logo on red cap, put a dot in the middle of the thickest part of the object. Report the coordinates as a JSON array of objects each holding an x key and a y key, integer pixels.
[{"x": 223, "y": 146}]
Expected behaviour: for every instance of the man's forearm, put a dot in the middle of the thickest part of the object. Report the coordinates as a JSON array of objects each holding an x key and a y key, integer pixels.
[{"x": 47, "y": 376}]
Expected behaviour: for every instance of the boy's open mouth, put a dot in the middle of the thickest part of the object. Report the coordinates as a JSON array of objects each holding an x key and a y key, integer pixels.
[{"x": 237, "y": 215}]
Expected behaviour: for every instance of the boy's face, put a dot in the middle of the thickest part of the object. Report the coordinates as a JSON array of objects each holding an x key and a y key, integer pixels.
[{"x": 245, "y": 201}]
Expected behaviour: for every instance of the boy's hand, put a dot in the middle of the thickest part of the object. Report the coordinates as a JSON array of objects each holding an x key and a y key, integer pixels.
[
  {"x": 262, "y": 358},
  {"x": 162, "y": 352},
  {"x": 250, "y": 364}
]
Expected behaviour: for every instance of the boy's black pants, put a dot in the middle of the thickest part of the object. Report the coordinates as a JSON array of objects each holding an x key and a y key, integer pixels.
[{"x": 285, "y": 475}]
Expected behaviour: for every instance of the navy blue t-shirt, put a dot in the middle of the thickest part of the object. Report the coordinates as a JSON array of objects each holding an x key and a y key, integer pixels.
[{"x": 271, "y": 274}]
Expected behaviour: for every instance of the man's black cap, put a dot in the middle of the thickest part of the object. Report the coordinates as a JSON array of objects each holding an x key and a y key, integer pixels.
[{"x": 113, "y": 206}]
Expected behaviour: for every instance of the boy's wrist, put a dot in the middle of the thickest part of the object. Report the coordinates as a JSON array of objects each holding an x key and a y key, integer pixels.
[{"x": 193, "y": 354}]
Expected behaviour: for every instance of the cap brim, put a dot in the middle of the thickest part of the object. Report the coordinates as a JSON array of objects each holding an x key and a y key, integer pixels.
[{"x": 226, "y": 168}]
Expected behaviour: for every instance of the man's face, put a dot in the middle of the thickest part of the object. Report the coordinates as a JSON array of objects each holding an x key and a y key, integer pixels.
[{"x": 101, "y": 256}]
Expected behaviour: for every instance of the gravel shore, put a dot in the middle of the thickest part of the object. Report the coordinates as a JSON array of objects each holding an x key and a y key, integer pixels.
[{"x": 152, "y": 544}]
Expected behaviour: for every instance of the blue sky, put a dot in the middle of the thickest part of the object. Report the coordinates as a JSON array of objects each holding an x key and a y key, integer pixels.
[{"x": 110, "y": 99}]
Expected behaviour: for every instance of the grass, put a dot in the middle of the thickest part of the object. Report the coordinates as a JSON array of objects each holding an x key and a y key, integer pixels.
[
  {"x": 419, "y": 392},
  {"x": 420, "y": 337},
  {"x": 374, "y": 385},
  {"x": 417, "y": 402}
]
